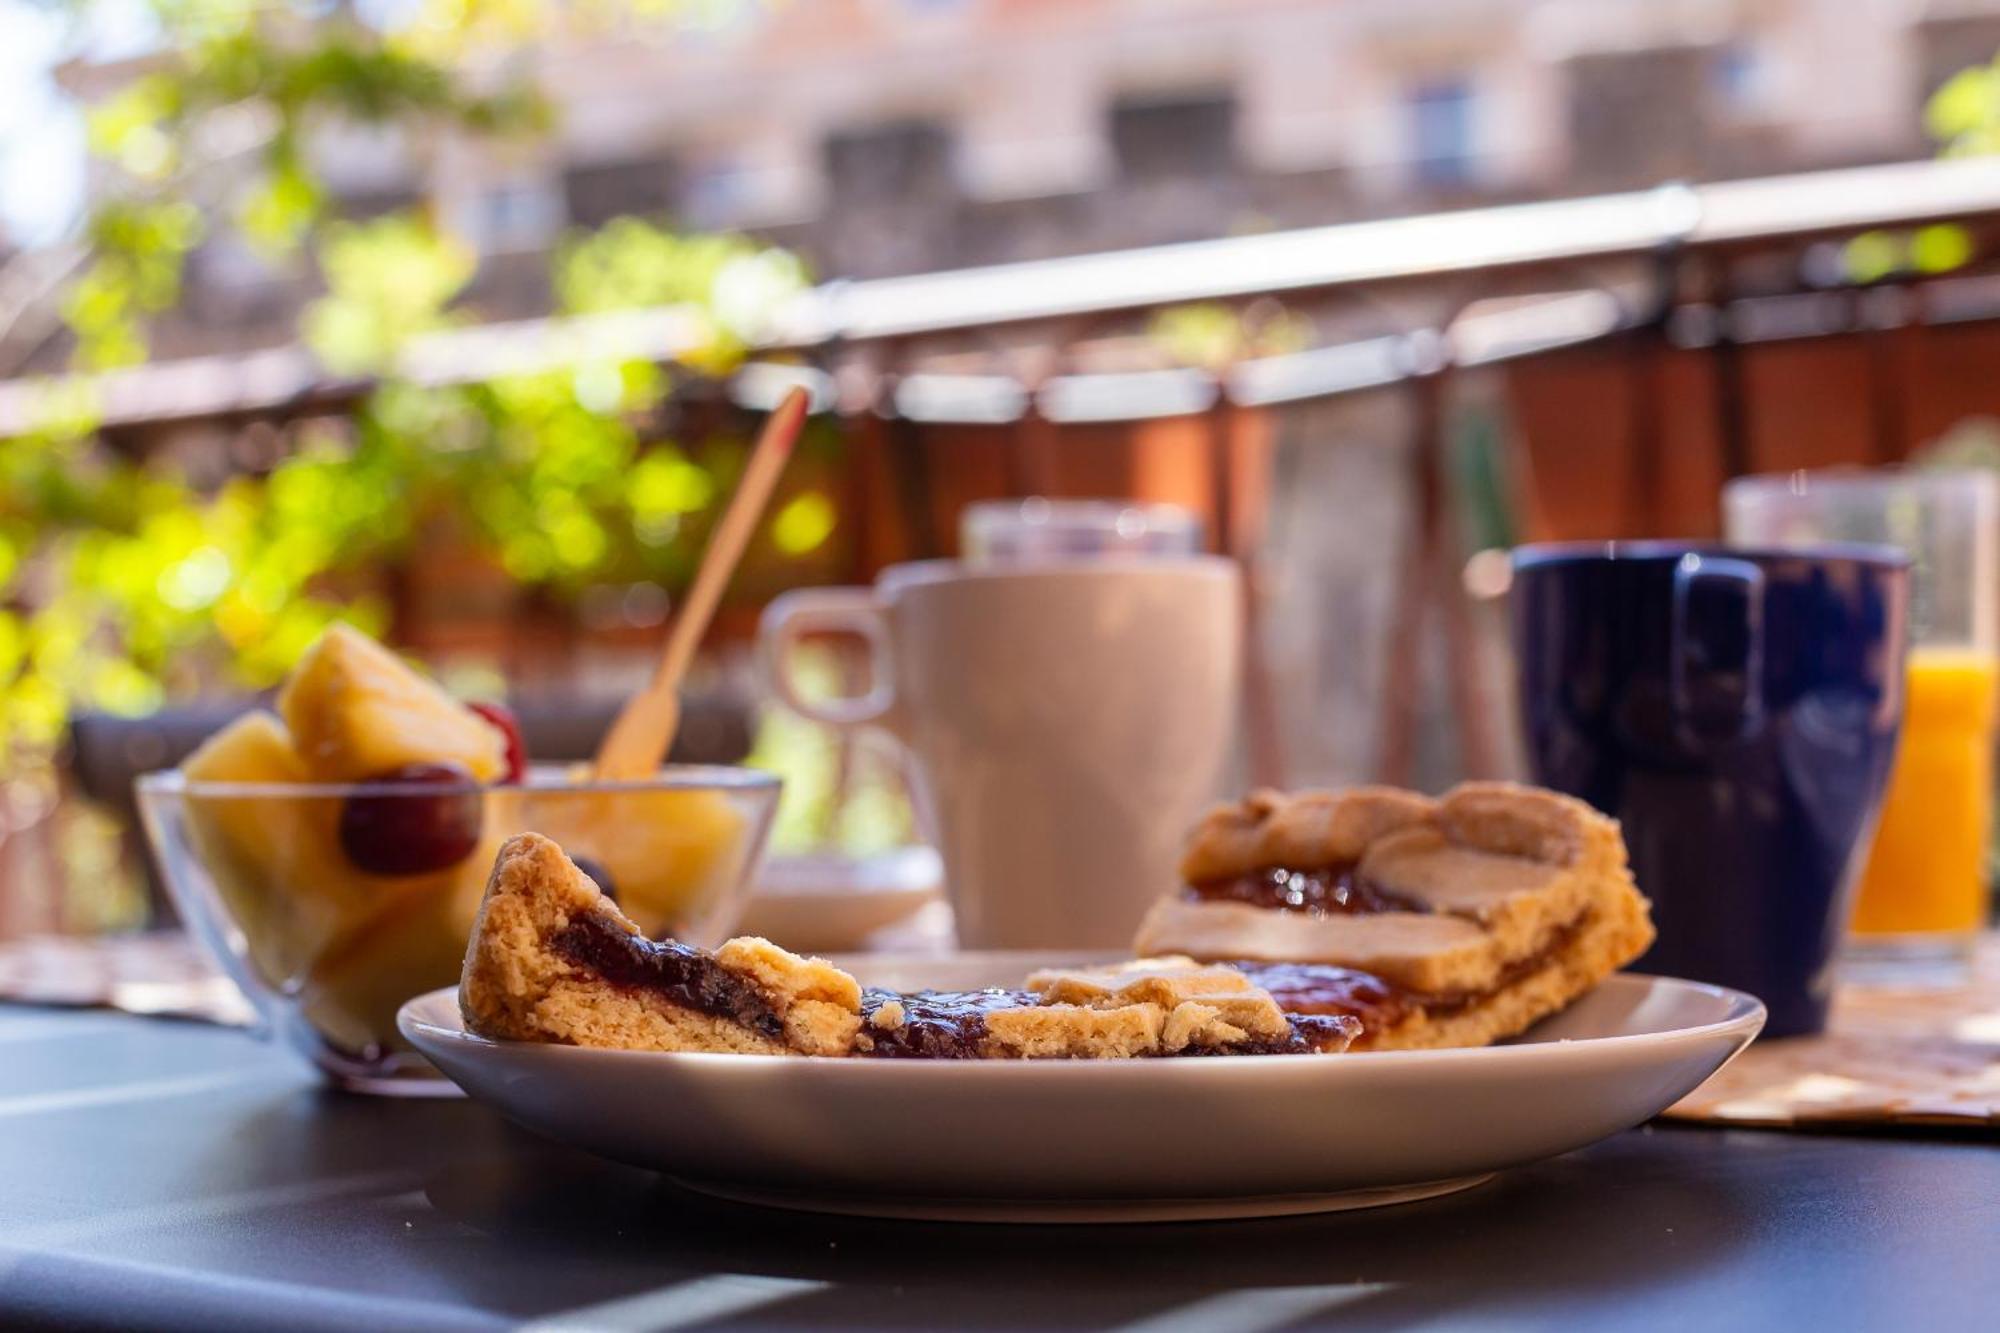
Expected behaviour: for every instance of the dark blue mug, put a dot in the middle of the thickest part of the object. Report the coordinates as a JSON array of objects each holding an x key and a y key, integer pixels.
[{"x": 1737, "y": 712}]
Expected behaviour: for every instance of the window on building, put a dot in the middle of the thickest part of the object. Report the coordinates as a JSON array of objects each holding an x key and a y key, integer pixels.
[
  {"x": 1950, "y": 43},
  {"x": 1740, "y": 77},
  {"x": 517, "y": 215},
  {"x": 1441, "y": 115},
  {"x": 714, "y": 191},
  {"x": 596, "y": 193},
  {"x": 1158, "y": 139},
  {"x": 885, "y": 163},
  {"x": 361, "y": 205},
  {"x": 1635, "y": 117}
]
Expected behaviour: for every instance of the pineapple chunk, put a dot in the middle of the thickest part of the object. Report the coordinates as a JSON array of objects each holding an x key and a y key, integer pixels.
[
  {"x": 279, "y": 867},
  {"x": 671, "y": 855},
  {"x": 413, "y": 941},
  {"x": 356, "y": 712},
  {"x": 253, "y": 748},
  {"x": 269, "y": 856}
]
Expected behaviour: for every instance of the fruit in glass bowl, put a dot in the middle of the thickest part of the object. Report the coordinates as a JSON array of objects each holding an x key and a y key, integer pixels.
[
  {"x": 356, "y": 712},
  {"x": 333, "y": 855},
  {"x": 661, "y": 850}
]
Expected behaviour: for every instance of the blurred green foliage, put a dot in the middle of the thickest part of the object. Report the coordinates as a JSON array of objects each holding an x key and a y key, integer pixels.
[
  {"x": 124, "y": 581},
  {"x": 387, "y": 281},
  {"x": 1878, "y": 255},
  {"x": 138, "y": 247},
  {"x": 1963, "y": 115},
  {"x": 1212, "y": 335}
]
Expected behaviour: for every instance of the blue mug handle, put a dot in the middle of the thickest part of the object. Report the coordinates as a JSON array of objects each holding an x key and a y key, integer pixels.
[{"x": 1717, "y": 672}]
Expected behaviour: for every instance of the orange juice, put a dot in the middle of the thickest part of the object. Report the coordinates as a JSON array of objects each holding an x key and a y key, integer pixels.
[{"x": 1927, "y": 871}]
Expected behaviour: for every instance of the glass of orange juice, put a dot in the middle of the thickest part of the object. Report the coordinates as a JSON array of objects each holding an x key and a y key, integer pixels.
[{"x": 1925, "y": 894}]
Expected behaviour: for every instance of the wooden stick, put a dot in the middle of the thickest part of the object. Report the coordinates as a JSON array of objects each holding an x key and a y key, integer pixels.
[{"x": 639, "y": 740}]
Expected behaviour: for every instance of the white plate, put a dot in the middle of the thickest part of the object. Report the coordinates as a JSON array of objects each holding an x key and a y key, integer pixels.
[
  {"x": 816, "y": 903},
  {"x": 1105, "y": 1140}
]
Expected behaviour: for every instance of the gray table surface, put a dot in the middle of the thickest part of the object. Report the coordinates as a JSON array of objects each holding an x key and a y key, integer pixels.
[{"x": 169, "y": 1175}]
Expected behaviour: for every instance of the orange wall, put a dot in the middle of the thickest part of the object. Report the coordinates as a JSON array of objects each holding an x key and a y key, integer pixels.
[
  {"x": 1580, "y": 421},
  {"x": 1167, "y": 460}
]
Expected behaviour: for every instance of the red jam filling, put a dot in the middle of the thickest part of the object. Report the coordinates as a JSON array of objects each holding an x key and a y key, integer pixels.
[
  {"x": 679, "y": 973},
  {"x": 1328, "y": 891}
]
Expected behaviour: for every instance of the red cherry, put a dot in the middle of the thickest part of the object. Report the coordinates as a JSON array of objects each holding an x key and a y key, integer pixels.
[
  {"x": 502, "y": 719},
  {"x": 413, "y": 832}
]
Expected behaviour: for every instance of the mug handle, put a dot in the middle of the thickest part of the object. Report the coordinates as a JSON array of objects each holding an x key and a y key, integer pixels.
[
  {"x": 1703, "y": 654},
  {"x": 804, "y": 611}
]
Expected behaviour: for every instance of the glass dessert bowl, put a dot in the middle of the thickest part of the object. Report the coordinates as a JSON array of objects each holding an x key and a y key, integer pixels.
[
  {"x": 328, "y": 934},
  {"x": 332, "y": 854}
]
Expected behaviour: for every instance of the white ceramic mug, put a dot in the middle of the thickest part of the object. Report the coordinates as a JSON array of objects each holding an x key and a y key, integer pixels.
[{"x": 1068, "y": 722}]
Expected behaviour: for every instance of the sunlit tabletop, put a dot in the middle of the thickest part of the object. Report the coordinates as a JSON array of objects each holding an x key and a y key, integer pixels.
[{"x": 169, "y": 1175}]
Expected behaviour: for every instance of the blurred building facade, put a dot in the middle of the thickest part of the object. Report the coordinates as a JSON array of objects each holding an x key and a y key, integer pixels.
[
  {"x": 884, "y": 137},
  {"x": 896, "y": 136}
]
